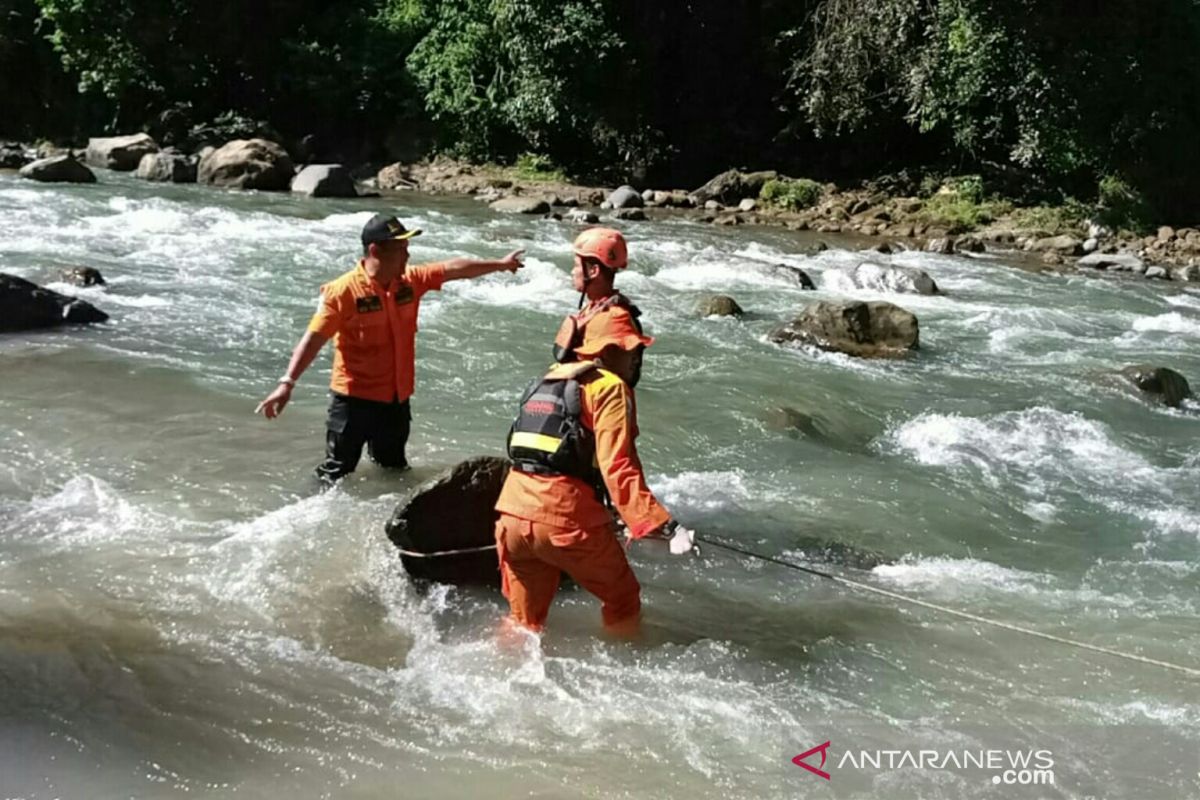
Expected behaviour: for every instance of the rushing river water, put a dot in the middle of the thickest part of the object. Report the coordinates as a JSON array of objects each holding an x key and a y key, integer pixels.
[{"x": 181, "y": 613}]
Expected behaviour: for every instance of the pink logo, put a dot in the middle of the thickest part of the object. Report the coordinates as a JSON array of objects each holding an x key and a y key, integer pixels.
[{"x": 799, "y": 760}]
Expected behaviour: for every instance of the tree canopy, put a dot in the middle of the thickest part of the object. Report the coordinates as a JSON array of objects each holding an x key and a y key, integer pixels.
[{"x": 1049, "y": 99}]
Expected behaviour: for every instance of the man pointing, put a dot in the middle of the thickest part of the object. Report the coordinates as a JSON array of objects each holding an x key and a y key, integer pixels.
[{"x": 371, "y": 314}]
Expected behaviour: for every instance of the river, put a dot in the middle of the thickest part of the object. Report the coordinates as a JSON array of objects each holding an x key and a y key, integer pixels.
[{"x": 183, "y": 614}]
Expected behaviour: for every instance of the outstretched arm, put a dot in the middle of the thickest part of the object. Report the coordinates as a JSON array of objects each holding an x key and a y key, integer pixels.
[
  {"x": 306, "y": 350},
  {"x": 463, "y": 268}
]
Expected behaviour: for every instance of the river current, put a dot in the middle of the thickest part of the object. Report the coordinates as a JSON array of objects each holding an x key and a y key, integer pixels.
[{"x": 183, "y": 614}]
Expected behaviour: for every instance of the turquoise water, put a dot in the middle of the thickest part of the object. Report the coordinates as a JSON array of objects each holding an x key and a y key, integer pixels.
[{"x": 180, "y": 612}]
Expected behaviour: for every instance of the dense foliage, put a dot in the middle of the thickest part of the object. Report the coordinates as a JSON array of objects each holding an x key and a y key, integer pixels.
[{"x": 1078, "y": 98}]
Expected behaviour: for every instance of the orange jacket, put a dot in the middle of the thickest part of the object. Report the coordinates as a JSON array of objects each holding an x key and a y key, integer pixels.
[
  {"x": 375, "y": 328},
  {"x": 610, "y": 412}
]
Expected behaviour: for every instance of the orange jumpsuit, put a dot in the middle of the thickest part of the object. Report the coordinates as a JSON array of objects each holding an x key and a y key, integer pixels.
[{"x": 554, "y": 524}]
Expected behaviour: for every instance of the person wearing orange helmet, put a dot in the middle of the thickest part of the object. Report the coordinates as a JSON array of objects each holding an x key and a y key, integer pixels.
[
  {"x": 600, "y": 253},
  {"x": 574, "y": 464}
]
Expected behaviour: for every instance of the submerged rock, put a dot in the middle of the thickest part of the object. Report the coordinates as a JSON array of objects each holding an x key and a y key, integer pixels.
[
  {"x": 83, "y": 276},
  {"x": 455, "y": 511},
  {"x": 876, "y": 277},
  {"x": 720, "y": 305},
  {"x": 26, "y": 306},
  {"x": 798, "y": 275},
  {"x": 582, "y": 216},
  {"x": 864, "y": 330},
  {"x": 1161, "y": 383}
]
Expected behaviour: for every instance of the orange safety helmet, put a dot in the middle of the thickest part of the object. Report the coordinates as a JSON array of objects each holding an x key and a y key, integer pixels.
[
  {"x": 611, "y": 329},
  {"x": 605, "y": 245}
]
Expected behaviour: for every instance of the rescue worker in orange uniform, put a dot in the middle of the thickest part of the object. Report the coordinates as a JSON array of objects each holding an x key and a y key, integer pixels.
[
  {"x": 371, "y": 314},
  {"x": 600, "y": 253},
  {"x": 573, "y": 453}
]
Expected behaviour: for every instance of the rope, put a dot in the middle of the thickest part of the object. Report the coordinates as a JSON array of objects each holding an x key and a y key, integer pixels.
[
  {"x": 459, "y": 552},
  {"x": 953, "y": 612}
]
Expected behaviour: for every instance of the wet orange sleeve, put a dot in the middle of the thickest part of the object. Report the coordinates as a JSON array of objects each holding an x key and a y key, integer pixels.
[
  {"x": 427, "y": 278},
  {"x": 329, "y": 317},
  {"x": 616, "y": 453}
]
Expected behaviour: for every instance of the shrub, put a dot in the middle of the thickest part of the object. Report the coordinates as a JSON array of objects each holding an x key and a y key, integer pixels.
[
  {"x": 792, "y": 194},
  {"x": 1121, "y": 206},
  {"x": 533, "y": 167}
]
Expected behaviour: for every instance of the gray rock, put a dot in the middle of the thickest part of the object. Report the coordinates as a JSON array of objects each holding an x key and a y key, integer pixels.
[
  {"x": 13, "y": 156},
  {"x": 945, "y": 246},
  {"x": 969, "y": 244},
  {"x": 169, "y": 167},
  {"x": 1091, "y": 245},
  {"x": 1064, "y": 244},
  {"x": 748, "y": 204},
  {"x": 712, "y": 205},
  {"x": 58, "y": 169},
  {"x": 324, "y": 180},
  {"x": 455, "y": 511},
  {"x": 1116, "y": 261},
  {"x": 83, "y": 276},
  {"x": 864, "y": 330},
  {"x": 1166, "y": 233},
  {"x": 731, "y": 186},
  {"x": 1159, "y": 273},
  {"x": 1097, "y": 230},
  {"x": 661, "y": 198},
  {"x": 648, "y": 196},
  {"x": 582, "y": 216},
  {"x": 624, "y": 197},
  {"x": 122, "y": 153},
  {"x": 879, "y": 278},
  {"x": 27, "y": 306},
  {"x": 798, "y": 275},
  {"x": 1163, "y": 384},
  {"x": 720, "y": 305},
  {"x": 520, "y": 205},
  {"x": 247, "y": 164},
  {"x": 630, "y": 214}
]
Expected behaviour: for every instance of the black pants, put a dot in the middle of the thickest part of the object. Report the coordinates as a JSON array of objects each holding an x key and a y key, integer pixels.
[{"x": 353, "y": 422}]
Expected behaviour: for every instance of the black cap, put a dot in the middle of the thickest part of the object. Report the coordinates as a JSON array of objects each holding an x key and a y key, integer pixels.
[{"x": 382, "y": 228}]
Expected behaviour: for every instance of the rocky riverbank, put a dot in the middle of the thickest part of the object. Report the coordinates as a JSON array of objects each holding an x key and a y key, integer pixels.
[
  {"x": 902, "y": 221},
  {"x": 948, "y": 218}
]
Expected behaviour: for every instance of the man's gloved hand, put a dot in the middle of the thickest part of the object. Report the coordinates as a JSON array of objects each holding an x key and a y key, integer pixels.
[{"x": 680, "y": 540}]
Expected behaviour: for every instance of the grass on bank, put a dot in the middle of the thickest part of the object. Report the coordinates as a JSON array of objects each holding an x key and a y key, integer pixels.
[{"x": 793, "y": 194}]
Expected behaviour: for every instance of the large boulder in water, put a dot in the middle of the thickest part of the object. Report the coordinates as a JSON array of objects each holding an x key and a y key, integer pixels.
[
  {"x": 453, "y": 512},
  {"x": 1166, "y": 385},
  {"x": 875, "y": 277},
  {"x": 731, "y": 186},
  {"x": 169, "y": 167},
  {"x": 248, "y": 164},
  {"x": 625, "y": 197},
  {"x": 866, "y": 330},
  {"x": 122, "y": 153},
  {"x": 324, "y": 180},
  {"x": 25, "y": 306},
  {"x": 521, "y": 205},
  {"x": 12, "y": 156},
  {"x": 58, "y": 169}
]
